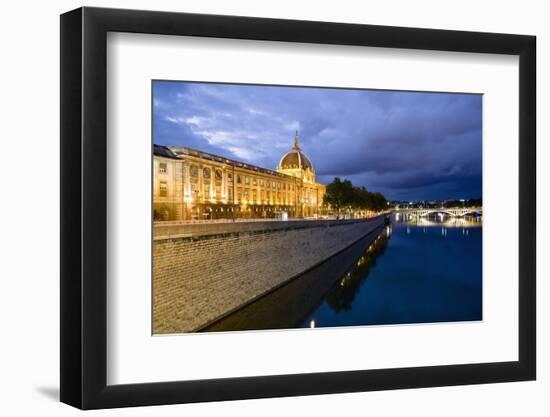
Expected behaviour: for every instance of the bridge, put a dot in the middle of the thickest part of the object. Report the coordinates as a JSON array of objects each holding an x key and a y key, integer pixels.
[{"x": 451, "y": 212}]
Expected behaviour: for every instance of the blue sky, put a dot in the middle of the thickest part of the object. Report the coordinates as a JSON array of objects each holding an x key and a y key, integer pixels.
[{"x": 407, "y": 145}]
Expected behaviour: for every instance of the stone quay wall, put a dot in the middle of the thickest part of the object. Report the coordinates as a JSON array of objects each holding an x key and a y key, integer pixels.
[{"x": 209, "y": 271}]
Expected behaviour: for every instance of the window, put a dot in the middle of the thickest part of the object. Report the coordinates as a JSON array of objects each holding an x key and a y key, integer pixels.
[
  {"x": 194, "y": 171},
  {"x": 254, "y": 181},
  {"x": 163, "y": 168},
  {"x": 218, "y": 175},
  {"x": 206, "y": 173},
  {"x": 239, "y": 180},
  {"x": 273, "y": 184},
  {"x": 230, "y": 178},
  {"x": 247, "y": 180},
  {"x": 163, "y": 190}
]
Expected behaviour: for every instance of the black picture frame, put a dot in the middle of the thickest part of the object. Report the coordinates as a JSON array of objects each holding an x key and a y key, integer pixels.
[{"x": 84, "y": 207}]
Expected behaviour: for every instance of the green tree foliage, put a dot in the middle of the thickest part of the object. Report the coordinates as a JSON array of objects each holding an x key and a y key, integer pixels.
[
  {"x": 339, "y": 194},
  {"x": 342, "y": 195}
]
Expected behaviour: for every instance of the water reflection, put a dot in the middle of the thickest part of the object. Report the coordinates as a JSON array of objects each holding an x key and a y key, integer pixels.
[
  {"x": 288, "y": 306},
  {"x": 341, "y": 296},
  {"x": 429, "y": 271},
  {"x": 414, "y": 271},
  {"x": 438, "y": 221}
]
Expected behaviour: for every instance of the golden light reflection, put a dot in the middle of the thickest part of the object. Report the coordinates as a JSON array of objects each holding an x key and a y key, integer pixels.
[{"x": 452, "y": 222}]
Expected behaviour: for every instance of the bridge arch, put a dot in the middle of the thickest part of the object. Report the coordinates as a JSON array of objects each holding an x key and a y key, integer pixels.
[
  {"x": 428, "y": 212},
  {"x": 451, "y": 212}
]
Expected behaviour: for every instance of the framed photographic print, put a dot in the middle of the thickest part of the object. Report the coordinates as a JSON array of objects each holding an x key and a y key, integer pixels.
[{"x": 258, "y": 207}]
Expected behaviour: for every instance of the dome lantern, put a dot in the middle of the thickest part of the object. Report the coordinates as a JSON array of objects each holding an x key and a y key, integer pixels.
[
  {"x": 295, "y": 160},
  {"x": 296, "y": 144}
]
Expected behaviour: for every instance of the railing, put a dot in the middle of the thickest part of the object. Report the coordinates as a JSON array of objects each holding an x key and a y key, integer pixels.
[
  {"x": 158, "y": 223},
  {"x": 162, "y": 231},
  {"x": 225, "y": 220}
]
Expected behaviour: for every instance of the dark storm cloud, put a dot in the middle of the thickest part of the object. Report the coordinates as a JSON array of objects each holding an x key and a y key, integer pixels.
[{"x": 407, "y": 145}]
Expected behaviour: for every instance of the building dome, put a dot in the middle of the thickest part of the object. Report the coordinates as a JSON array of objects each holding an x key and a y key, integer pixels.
[{"x": 295, "y": 158}]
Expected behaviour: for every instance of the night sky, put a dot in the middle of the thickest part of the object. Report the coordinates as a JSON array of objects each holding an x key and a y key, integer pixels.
[{"x": 409, "y": 146}]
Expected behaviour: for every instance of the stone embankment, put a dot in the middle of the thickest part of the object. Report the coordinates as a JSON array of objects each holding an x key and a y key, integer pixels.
[{"x": 202, "y": 272}]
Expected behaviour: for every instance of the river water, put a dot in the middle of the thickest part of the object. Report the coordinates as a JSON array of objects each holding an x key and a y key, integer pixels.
[
  {"x": 413, "y": 271},
  {"x": 419, "y": 271}
]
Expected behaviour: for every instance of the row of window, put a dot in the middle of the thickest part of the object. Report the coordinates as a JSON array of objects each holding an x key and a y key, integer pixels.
[
  {"x": 263, "y": 183},
  {"x": 163, "y": 189},
  {"x": 163, "y": 192},
  {"x": 247, "y": 180},
  {"x": 263, "y": 194}
]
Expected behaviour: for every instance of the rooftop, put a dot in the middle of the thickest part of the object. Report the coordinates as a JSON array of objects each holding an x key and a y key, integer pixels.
[{"x": 175, "y": 152}]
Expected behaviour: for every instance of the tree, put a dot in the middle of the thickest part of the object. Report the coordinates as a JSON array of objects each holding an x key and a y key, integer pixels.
[
  {"x": 339, "y": 194},
  {"x": 379, "y": 202},
  {"x": 472, "y": 202},
  {"x": 342, "y": 195}
]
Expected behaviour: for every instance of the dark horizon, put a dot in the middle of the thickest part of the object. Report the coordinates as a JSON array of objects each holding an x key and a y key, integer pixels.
[{"x": 410, "y": 146}]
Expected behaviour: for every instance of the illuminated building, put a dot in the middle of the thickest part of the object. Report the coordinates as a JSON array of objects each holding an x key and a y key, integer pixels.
[{"x": 190, "y": 184}]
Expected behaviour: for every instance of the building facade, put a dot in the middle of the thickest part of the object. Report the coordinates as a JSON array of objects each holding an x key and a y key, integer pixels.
[{"x": 189, "y": 184}]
